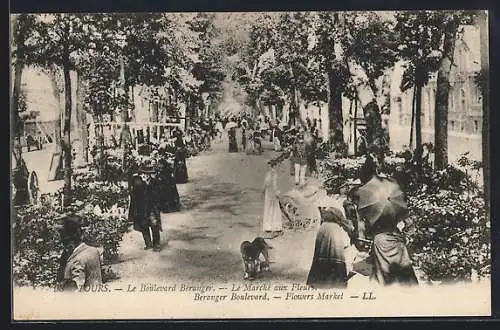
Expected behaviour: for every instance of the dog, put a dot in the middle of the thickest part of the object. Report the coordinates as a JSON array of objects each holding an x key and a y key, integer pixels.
[{"x": 250, "y": 254}]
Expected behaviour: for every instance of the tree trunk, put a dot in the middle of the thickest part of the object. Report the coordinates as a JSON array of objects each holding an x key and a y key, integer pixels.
[
  {"x": 18, "y": 72},
  {"x": 335, "y": 108},
  {"x": 16, "y": 92},
  {"x": 66, "y": 145},
  {"x": 85, "y": 139},
  {"x": 82, "y": 119},
  {"x": 187, "y": 112},
  {"x": 418, "y": 119},
  {"x": 442, "y": 97},
  {"x": 483, "y": 29},
  {"x": 52, "y": 72},
  {"x": 279, "y": 111},
  {"x": 132, "y": 98},
  {"x": 412, "y": 123},
  {"x": 293, "y": 112},
  {"x": 355, "y": 127}
]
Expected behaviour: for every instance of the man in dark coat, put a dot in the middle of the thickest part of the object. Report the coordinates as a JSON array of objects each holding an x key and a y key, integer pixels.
[{"x": 144, "y": 210}]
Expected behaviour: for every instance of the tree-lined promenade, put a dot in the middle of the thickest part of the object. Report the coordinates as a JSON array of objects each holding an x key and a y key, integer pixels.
[
  {"x": 278, "y": 60},
  {"x": 185, "y": 66}
]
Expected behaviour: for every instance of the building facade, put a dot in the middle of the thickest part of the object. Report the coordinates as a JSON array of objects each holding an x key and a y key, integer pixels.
[{"x": 465, "y": 103}]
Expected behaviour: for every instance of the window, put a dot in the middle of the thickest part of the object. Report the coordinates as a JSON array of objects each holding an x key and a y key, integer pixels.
[
  {"x": 476, "y": 126},
  {"x": 463, "y": 101},
  {"x": 476, "y": 94},
  {"x": 452, "y": 123}
]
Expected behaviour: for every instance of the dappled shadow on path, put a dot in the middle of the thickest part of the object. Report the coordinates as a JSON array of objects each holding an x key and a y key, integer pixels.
[
  {"x": 182, "y": 235},
  {"x": 216, "y": 196}
]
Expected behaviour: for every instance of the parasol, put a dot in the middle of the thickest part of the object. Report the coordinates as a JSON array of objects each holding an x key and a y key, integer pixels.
[
  {"x": 381, "y": 197},
  {"x": 230, "y": 125}
]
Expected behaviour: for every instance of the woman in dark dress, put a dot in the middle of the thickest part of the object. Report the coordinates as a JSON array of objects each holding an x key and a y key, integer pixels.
[
  {"x": 391, "y": 260},
  {"x": 180, "y": 168},
  {"x": 328, "y": 268},
  {"x": 310, "y": 141},
  {"x": 257, "y": 140},
  {"x": 169, "y": 195},
  {"x": 390, "y": 257},
  {"x": 233, "y": 145}
]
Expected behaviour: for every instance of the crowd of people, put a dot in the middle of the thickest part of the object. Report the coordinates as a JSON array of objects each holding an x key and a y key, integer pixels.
[
  {"x": 360, "y": 235},
  {"x": 153, "y": 171},
  {"x": 346, "y": 232}
]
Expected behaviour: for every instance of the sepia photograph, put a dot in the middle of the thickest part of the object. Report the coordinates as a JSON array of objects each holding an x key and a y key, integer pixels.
[{"x": 235, "y": 165}]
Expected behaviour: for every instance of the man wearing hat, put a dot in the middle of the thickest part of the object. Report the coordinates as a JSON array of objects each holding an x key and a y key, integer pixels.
[
  {"x": 299, "y": 159},
  {"x": 80, "y": 263},
  {"x": 144, "y": 210}
]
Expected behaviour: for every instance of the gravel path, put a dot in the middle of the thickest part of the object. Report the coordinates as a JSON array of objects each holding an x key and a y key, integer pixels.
[{"x": 222, "y": 206}]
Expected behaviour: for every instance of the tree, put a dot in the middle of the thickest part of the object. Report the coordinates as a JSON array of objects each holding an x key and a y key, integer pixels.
[
  {"x": 208, "y": 69},
  {"x": 256, "y": 58},
  {"x": 420, "y": 35},
  {"x": 327, "y": 47},
  {"x": 369, "y": 47},
  {"x": 60, "y": 40},
  {"x": 484, "y": 87},
  {"x": 22, "y": 26},
  {"x": 451, "y": 23}
]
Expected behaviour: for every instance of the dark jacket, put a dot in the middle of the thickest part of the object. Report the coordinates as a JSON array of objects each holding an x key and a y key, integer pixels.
[
  {"x": 299, "y": 154},
  {"x": 144, "y": 204}
]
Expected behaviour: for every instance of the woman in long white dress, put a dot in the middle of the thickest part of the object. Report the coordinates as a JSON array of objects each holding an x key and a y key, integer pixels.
[{"x": 272, "y": 218}]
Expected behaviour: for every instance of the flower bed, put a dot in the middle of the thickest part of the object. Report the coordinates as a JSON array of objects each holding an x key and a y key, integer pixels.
[
  {"x": 36, "y": 236},
  {"x": 449, "y": 235},
  {"x": 89, "y": 192},
  {"x": 37, "y": 245}
]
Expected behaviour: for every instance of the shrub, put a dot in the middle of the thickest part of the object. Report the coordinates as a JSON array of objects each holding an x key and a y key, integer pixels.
[
  {"x": 336, "y": 171},
  {"x": 89, "y": 192},
  {"x": 37, "y": 246},
  {"x": 449, "y": 234},
  {"x": 36, "y": 238},
  {"x": 451, "y": 239},
  {"x": 104, "y": 231}
]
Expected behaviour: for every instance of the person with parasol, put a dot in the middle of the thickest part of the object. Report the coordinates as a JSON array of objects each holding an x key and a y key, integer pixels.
[{"x": 381, "y": 204}]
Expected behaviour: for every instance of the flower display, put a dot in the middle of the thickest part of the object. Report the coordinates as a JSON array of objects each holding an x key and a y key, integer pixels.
[{"x": 448, "y": 230}]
